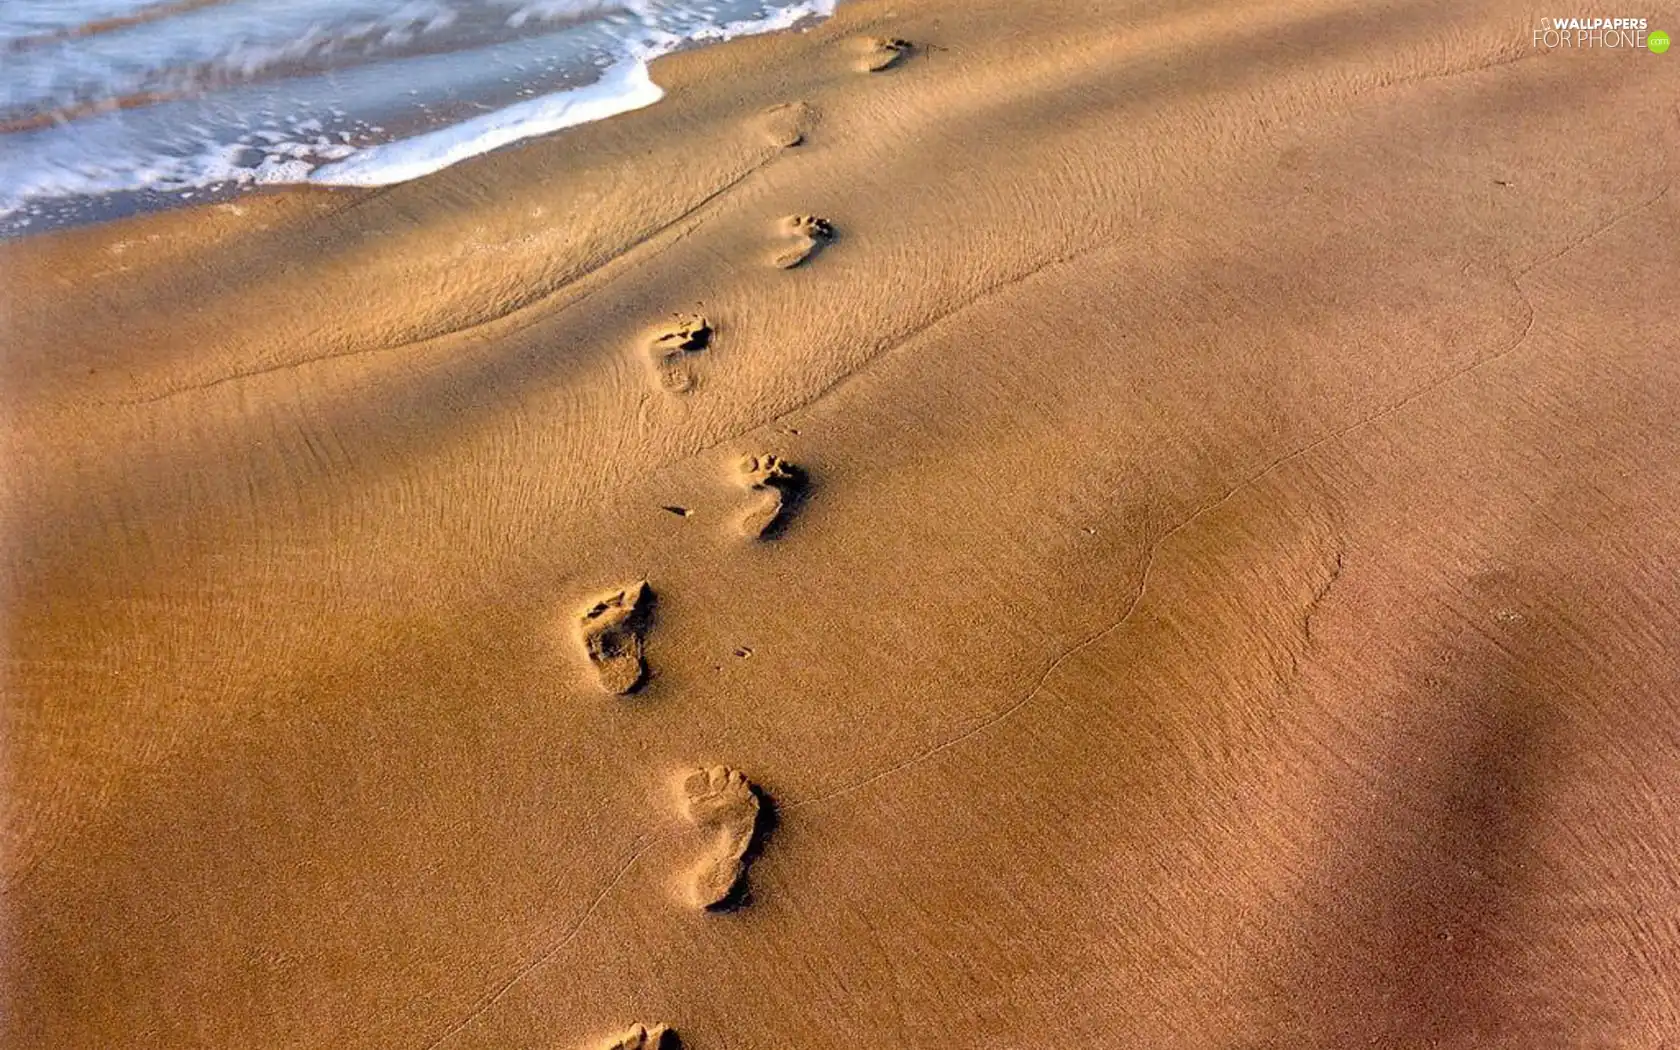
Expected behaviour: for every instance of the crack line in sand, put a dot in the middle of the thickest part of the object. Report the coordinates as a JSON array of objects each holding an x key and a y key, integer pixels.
[
  {"x": 489, "y": 1001},
  {"x": 622, "y": 256},
  {"x": 891, "y": 343},
  {"x": 1591, "y": 235},
  {"x": 543, "y": 298},
  {"x": 1039, "y": 685},
  {"x": 1275, "y": 465},
  {"x": 18, "y": 879},
  {"x": 1319, "y": 594}
]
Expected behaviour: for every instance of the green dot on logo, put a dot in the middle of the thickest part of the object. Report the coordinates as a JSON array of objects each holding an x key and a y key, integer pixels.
[{"x": 1657, "y": 42}]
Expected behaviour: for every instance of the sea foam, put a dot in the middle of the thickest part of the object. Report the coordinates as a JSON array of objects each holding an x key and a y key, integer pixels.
[
  {"x": 163, "y": 107},
  {"x": 622, "y": 88}
]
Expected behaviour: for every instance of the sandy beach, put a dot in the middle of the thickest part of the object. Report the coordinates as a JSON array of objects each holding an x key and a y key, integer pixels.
[{"x": 1010, "y": 525}]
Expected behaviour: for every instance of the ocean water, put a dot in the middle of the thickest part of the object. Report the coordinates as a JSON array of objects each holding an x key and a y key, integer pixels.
[{"x": 109, "y": 106}]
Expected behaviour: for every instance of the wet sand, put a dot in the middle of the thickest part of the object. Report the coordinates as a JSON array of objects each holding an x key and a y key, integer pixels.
[{"x": 1215, "y": 585}]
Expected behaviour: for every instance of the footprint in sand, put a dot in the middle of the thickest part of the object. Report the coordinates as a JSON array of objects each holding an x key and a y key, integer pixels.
[
  {"x": 882, "y": 52},
  {"x": 611, "y": 630},
  {"x": 780, "y": 487},
  {"x": 787, "y": 124},
  {"x": 641, "y": 1037},
  {"x": 672, "y": 348},
  {"x": 723, "y": 803},
  {"x": 808, "y": 234}
]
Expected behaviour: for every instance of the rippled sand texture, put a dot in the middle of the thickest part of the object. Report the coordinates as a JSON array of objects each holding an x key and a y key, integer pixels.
[{"x": 1229, "y": 600}]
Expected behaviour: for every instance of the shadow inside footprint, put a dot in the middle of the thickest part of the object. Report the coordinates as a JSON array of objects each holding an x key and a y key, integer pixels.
[
  {"x": 882, "y": 53},
  {"x": 786, "y": 125},
  {"x": 612, "y": 630},
  {"x": 643, "y": 1037},
  {"x": 671, "y": 348},
  {"x": 809, "y": 234},
  {"x": 764, "y": 829},
  {"x": 784, "y": 488}
]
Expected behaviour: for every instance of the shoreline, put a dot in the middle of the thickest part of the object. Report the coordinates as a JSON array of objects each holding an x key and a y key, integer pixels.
[{"x": 418, "y": 146}]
